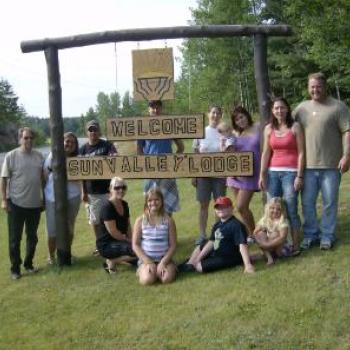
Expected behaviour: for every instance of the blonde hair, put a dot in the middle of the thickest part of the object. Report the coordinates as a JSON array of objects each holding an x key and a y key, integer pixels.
[
  {"x": 154, "y": 191},
  {"x": 224, "y": 127},
  {"x": 115, "y": 180},
  {"x": 266, "y": 220}
]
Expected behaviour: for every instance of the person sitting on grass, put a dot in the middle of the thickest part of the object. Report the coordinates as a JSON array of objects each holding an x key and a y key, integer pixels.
[
  {"x": 227, "y": 246},
  {"x": 154, "y": 241},
  {"x": 272, "y": 230},
  {"x": 114, "y": 232}
]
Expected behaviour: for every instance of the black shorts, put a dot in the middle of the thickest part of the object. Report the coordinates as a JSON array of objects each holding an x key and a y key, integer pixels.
[
  {"x": 112, "y": 250},
  {"x": 214, "y": 262}
]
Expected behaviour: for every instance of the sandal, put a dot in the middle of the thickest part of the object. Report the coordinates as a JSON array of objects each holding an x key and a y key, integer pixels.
[{"x": 111, "y": 271}]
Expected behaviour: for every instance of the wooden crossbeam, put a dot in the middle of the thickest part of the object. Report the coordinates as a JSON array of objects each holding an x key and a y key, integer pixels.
[{"x": 205, "y": 31}]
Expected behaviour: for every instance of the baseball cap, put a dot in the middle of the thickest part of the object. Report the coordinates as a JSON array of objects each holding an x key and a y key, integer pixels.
[
  {"x": 223, "y": 201},
  {"x": 93, "y": 123}
]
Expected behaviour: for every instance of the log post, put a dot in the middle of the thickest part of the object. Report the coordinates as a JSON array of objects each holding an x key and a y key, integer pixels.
[
  {"x": 58, "y": 157},
  {"x": 262, "y": 76}
]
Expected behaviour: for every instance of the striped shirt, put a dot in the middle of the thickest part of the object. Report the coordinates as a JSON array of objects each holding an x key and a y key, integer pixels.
[{"x": 155, "y": 239}]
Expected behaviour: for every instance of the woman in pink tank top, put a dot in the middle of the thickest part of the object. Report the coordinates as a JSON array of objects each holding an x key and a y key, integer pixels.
[{"x": 283, "y": 161}]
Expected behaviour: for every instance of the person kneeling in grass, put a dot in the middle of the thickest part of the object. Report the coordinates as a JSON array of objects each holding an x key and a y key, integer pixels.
[
  {"x": 227, "y": 246},
  {"x": 271, "y": 231},
  {"x": 154, "y": 241}
]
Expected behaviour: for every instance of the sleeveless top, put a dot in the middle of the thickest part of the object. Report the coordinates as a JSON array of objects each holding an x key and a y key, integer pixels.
[
  {"x": 284, "y": 151},
  {"x": 248, "y": 143},
  {"x": 155, "y": 239}
]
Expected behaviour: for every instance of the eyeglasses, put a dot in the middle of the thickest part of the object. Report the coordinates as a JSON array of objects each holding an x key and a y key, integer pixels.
[
  {"x": 117, "y": 188},
  {"x": 92, "y": 129},
  {"x": 28, "y": 138}
]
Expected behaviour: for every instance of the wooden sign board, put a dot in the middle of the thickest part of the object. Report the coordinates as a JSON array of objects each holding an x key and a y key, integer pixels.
[
  {"x": 153, "y": 74},
  {"x": 161, "y": 166},
  {"x": 159, "y": 127}
]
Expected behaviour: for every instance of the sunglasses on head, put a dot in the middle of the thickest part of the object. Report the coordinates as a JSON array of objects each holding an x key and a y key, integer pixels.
[{"x": 123, "y": 187}]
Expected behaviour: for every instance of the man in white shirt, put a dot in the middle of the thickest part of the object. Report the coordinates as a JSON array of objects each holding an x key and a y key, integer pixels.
[{"x": 22, "y": 199}]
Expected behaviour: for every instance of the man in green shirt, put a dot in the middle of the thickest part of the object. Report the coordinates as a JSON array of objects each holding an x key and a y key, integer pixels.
[{"x": 326, "y": 123}]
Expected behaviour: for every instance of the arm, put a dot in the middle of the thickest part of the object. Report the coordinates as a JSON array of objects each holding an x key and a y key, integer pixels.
[
  {"x": 265, "y": 158},
  {"x": 273, "y": 243},
  {"x": 172, "y": 243},
  {"x": 4, "y": 201},
  {"x": 344, "y": 162},
  {"x": 129, "y": 233},
  {"x": 114, "y": 232},
  {"x": 136, "y": 242},
  {"x": 248, "y": 267},
  {"x": 209, "y": 246},
  {"x": 300, "y": 138},
  {"x": 180, "y": 147}
]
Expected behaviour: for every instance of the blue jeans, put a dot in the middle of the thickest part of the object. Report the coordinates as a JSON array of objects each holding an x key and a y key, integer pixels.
[
  {"x": 327, "y": 181},
  {"x": 281, "y": 184}
]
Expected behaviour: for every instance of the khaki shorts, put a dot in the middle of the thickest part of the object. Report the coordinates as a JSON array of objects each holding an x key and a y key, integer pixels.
[{"x": 93, "y": 208}]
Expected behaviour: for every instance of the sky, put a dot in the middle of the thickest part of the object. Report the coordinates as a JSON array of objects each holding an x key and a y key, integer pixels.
[{"x": 85, "y": 71}]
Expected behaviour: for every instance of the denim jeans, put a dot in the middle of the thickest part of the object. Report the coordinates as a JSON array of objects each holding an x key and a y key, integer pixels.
[
  {"x": 327, "y": 182},
  {"x": 281, "y": 184},
  {"x": 17, "y": 218}
]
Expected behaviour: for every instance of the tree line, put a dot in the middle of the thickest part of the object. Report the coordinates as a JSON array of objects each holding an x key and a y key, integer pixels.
[{"x": 221, "y": 70}]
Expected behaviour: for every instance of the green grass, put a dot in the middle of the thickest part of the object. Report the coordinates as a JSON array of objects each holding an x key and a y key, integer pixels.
[{"x": 300, "y": 303}]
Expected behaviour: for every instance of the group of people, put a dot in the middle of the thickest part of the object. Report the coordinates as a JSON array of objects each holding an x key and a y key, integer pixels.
[{"x": 304, "y": 151}]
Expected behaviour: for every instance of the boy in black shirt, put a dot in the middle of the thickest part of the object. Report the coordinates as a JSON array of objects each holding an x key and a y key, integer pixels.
[{"x": 227, "y": 246}]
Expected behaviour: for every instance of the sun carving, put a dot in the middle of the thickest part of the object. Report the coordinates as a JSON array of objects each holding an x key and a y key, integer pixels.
[{"x": 153, "y": 74}]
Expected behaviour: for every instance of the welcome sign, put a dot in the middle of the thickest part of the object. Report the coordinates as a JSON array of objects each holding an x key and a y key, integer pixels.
[
  {"x": 161, "y": 166},
  {"x": 160, "y": 127}
]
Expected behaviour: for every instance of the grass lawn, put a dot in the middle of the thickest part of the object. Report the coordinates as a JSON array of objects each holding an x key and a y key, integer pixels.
[{"x": 300, "y": 303}]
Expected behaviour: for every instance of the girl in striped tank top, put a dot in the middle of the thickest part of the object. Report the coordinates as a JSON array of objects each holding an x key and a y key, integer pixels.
[{"x": 154, "y": 241}]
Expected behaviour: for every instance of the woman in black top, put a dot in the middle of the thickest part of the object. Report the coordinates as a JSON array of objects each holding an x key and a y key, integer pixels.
[{"x": 114, "y": 234}]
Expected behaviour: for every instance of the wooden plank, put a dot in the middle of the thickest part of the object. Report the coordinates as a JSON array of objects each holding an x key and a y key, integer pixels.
[
  {"x": 153, "y": 74},
  {"x": 262, "y": 77},
  {"x": 161, "y": 166},
  {"x": 198, "y": 31},
  {"x": 58, "y": 157},
  {"x": 159, "y": 127}
]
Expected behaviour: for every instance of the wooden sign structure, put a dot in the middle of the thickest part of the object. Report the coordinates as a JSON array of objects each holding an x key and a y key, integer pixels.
[
  {"x": 51, "y": 47},
  {"x": 160, "y": 127},
  {"x": 153, "y": 74},
  {"x": 161, "y": 166}
]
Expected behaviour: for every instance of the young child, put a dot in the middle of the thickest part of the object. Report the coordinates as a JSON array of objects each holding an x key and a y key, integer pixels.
[
  {"x": 227, "y": 246},
  {"x": 271, "y": 231},
  {"x": 226, "y": 136},
  {"x": 154, "y": 241}
]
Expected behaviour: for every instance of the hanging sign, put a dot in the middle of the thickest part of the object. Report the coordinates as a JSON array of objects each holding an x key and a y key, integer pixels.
[
  {"x": 153, "y": 74},
  {"x": 159, "y": 127},
  {"x": 161, "y": 166}
]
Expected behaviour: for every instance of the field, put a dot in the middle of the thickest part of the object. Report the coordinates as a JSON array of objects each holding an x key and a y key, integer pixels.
[{"x": 300, "y": 303}]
